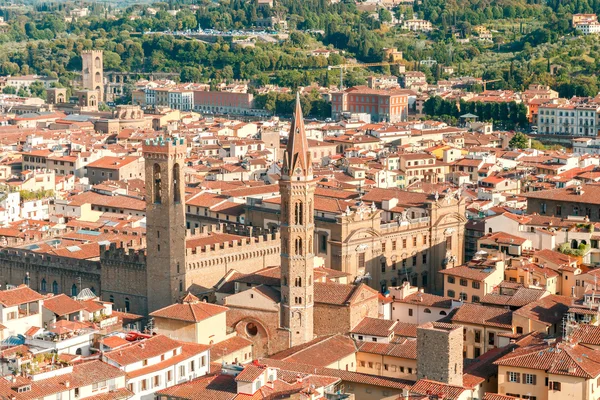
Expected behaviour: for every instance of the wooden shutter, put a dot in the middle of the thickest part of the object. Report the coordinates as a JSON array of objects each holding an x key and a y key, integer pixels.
[
  {"x": 518, "y": 377},
  {"x": 534, "y": 379}
]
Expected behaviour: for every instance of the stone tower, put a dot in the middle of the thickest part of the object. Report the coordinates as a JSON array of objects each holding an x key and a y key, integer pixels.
[
  {"x": 93, "y": 71},
  {"x": 165, "y": 221},
  {"x": 440, "y": 350},
  {"x": 297, "y": 188}
]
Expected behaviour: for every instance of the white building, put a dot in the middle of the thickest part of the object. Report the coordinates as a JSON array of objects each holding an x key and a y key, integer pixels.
[
  {"x": 586, "y": 146},
  {"x": 10, "y": 207},
  {"x": 417, "y": 25},
  {"x": 20, "y": 309},
  {"x": 588, "y": 27},
  {"x": 569, "y": 119},
  {"x": 158, "y": 363},
  {"x": 412, "y": 305}
]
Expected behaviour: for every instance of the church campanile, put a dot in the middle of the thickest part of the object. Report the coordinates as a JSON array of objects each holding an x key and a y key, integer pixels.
[{"x": 297, "y": 189}]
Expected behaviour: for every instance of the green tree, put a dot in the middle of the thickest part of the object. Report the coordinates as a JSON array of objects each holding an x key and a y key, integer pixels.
[{"x": 519, "y": 141}]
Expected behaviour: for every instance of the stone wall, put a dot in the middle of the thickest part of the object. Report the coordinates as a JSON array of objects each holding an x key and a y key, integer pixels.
[{"x": 440, "y": 354}]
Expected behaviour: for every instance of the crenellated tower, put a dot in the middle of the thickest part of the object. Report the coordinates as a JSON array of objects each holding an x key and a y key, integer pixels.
[
  {"x": 297, "y": 188},
  {"x": 165, "y": 221}
]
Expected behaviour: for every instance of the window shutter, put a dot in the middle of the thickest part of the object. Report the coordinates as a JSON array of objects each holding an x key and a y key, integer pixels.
[
  {"x": 534, "y": 379},
  {"x": 518, "y": 377}
]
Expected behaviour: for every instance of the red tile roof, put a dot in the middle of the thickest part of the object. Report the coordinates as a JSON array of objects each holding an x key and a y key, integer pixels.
[
  {"x": 341, "y": 294},
  {"x": 442, "y": 390},
  {"x": 62, "y": 305},
  {"x": 19, "y": 295},
  {"x": 557, "y": 358},
  {"x": 483, "y": 315},
  {"x": 374, "y": 327},
  {"x": 319, "y": 352},
  {"x": 548, "y": 310},
  {"x": 191, "y": 309}
]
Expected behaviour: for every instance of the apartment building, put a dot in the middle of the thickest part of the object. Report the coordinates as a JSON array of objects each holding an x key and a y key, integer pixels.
[
  {"x": 576, "y": 119},
  {"x": 382, "y": 105},
  {"x": 158, "y": 363}
]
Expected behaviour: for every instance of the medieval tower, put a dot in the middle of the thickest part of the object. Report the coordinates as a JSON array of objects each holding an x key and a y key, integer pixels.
[
  {"x": 93, "y": 71},
  {"x": 297, "y": 188},
  {"x": 165, "y": 221}
]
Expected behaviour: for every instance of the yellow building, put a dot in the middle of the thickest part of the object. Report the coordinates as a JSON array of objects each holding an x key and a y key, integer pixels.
[
  {"x": 533, "y": 275},
  {"x": 482, "y": 327},
  {"x": 393, "y": 360},
  {"x": 553, "y": 371},
  {"x": 472, "y": 281},
  {"x": 544, "y": 315},
  {"x": 192, "y": 320}
]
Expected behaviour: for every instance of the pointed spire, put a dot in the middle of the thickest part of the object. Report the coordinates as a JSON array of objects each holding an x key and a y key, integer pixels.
[{"x": 297, "y": 157}]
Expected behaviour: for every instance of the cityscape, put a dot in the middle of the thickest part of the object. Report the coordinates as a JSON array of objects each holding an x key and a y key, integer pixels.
[{"x": 308, "y": 200}]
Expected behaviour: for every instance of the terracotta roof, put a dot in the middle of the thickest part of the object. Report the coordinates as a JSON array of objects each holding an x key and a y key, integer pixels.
[
  {"x": 587, "y": 334},
  {"x": 20, "y": 295},
  {"x": 340, "y": 294},
  {"x": 483, "y": 315},
  {"x": 115, "y": 163},
  {"x": 590, "y": 194},
  {"x": 191, "y": 309},
  {"x": 228, "y": 346},
  {"x": 427, "y": 300},
  {"x": 319, "y": 352},
  {"x": 496, "y": 396},
  {"x": 407, "y": 348},
  {"x": 250, "y": 373},
  {"x": 442, "y": 390},
  {"x": 139, "y": 351},
  {"x": 346, "y": 376},
  {"x": 374, "y": 327},
  {"x": 557, "y": 358},
  {"x": 548, "y": 310},
  {"x": 219, "y": 387},
  {"x": 404, "y": 329},
  {"x": 62, "y": 304},
  {"x": 84, "y": 374},
  {"x": 470, "y": 271},
  {"x": 521, "y": 297}
]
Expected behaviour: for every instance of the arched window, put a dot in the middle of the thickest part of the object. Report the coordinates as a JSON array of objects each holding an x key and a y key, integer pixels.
[
  {"x": 298, "y": 212},
  {"x": 443, "y": 313},
  {"x": 93, "y": 290},
  {"x": 97, "y": 62},
  {"x": 310, "y": 211},
  {"x": 574, "y": 244},
  {"x": 298, "y": 282},
  {"x": 427, "y": 311},
  {"x": 78, "y": 351},
  {"x": 181, "y": 286},
  {"x": 127, "y": 304},
  {"x": 55, "y": 287},
  {"x": 298, "y": 251},
  {"x": 43, "y": 285},
  {"x": 309, "y": 280},
  {"x": 111, "y": 298},
  {"x": 157, "y": 185},
  {"x": 176, "y": 188},
  {"x": 27, "y": 279},
  {"x": 74, "y": 290}
]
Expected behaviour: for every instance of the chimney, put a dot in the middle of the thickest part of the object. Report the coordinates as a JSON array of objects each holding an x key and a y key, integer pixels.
[{"x": 67, "y": 384}]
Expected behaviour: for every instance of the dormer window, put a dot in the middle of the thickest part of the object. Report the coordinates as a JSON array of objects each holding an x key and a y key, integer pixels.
[{"x": 25, "y": 388}]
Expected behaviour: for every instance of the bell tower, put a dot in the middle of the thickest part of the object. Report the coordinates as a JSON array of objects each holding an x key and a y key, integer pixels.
[
  {"x": 297, "y": 188},
  {"x": 165, "y": 221}
]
